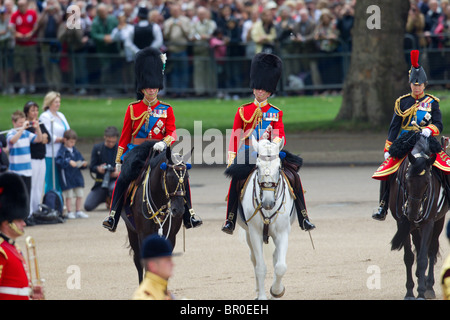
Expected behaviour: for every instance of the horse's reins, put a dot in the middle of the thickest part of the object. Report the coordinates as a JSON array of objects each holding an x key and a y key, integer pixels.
[
  {"x": 267, "y": 186},
  {"x": 429, "y": 194},
  {"x": 165, "y": 210}
]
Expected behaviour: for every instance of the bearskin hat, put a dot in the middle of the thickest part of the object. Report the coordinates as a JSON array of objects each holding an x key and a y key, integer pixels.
[
  {"x": 14, "y": 201},
  {"x": 265, "y": 72},
  {"x": 149, "y": 69},
  {"x": 417, "y": 74}
]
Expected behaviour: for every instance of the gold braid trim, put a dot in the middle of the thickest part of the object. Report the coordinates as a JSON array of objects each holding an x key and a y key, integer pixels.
[
  {"x": 119, "y": 154},
  {"x": 255, "y": 118},
  {"x": 435, "y": 98},
  {"x": 168, "y": 140},
  {"x": 144, "y": 117}
]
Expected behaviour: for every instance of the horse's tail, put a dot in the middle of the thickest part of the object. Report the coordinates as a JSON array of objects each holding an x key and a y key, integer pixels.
[{"x": 403, "y": 230}]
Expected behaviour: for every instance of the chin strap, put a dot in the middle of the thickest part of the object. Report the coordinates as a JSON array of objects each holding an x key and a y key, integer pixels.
[{"x": 13, "y": 226}]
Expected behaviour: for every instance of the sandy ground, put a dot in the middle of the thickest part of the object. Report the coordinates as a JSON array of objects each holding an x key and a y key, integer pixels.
[{"x": 352, "y": 259}]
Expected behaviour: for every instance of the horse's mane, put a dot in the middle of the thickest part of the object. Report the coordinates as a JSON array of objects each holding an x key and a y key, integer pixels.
[
  {"x": 418, "y": 166},
  {"x": 404, "y": 144},
  {"x": 245, "y": 161},
  {"x": 156, "y": 160},
  {"x": 136, "y": 159}
]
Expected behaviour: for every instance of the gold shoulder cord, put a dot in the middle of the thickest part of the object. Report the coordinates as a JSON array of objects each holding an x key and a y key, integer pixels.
[
  {"x": 257, "y": 115},
  {"x": 407, "y": 113},
  {"x": 144, "y": 117}
]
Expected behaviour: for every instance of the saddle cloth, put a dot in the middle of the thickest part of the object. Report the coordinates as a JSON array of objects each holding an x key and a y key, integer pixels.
[{"x": 392, "y": 164}]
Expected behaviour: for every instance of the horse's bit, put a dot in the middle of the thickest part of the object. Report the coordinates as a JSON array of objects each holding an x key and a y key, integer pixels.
[{"x": 180, "y": 170}]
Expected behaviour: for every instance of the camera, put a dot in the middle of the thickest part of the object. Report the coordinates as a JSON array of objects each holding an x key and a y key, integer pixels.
[{"x": 107, "y": 176}]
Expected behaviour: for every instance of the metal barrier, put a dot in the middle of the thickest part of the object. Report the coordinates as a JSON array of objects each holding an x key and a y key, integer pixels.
[{"x": 198, "y": 71}]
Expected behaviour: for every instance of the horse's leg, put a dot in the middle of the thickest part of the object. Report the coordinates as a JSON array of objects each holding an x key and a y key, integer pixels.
[
  {"x": 135, "y": 246},
  {"x": 260, "y": 266},
  {"x": 408, "y": 258},
  {"x": 252, "y": 256},
  {"x": 426, "y": 231},
  {"x": 432, "y": 255},
  {"x": 279, "y": 264}
]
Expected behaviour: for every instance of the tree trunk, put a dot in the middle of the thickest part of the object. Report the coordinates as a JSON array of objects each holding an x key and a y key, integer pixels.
[{"x": 378, "y": 72}]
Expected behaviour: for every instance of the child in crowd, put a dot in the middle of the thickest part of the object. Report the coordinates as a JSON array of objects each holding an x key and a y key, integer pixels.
[
  {"x": 19, "y": 141},
  {"x": 70, "y": 162}
]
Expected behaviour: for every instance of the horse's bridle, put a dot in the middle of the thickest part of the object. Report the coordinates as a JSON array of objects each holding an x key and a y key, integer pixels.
[
  {"x": 268, "y": 185},
  {"x": 180, "y": 170}
]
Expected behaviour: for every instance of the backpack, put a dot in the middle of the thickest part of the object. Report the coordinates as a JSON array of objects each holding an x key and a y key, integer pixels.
[
  {"x": 53, "y": 200},
  {"x": 50, "y": 211}
]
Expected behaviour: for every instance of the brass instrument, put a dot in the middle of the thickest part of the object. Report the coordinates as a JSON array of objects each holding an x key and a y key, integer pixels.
[{"x": 35, "y": 277}]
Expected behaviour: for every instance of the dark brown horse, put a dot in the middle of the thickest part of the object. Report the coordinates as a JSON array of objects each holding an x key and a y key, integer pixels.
[
  {"x": 418, "y": 203},
  {"x": 159, "y": 202}
]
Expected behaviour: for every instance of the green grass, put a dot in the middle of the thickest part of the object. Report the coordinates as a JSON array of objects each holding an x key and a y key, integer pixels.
[{"x": 90, "y": 116}]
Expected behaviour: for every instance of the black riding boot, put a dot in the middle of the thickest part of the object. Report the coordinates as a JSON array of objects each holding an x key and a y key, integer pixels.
[
  {"x": 190, "y": 220},
  {"x": 382, "y": 210},
  {"x": 302, "y": 214},
  {"x": 112, "y": 220},
  {"x": 230, "y": 223}
]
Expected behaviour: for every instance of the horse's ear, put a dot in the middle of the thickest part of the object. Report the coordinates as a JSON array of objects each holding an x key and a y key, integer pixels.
[
  {"x": 281, "y": 146},
  {"x": 255, "y": 144},
  {"x": 411, "y": 158},
  {"x": 432, "y": 159},
  {"x": 188, "y": 155},
  {"x": 169, "y": 154}
]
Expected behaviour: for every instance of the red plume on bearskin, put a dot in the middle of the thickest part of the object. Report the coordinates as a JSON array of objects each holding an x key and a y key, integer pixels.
[{"x": 415, "y": 58}]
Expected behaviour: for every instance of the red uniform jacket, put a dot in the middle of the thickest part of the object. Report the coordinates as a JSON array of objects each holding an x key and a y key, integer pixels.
[
  {"x": 256, "y": 118},
  {"x": 142, "y": 122},
  {"x": 13, "y": 271}
]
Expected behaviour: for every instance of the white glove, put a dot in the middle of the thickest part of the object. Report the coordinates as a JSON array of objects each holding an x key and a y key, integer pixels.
[
  {"x": 386, "y": 155},
  {"x": 426, "y": 132},
  {"x": 159, "y": 146},
  {"x": 118, "y": 167}
]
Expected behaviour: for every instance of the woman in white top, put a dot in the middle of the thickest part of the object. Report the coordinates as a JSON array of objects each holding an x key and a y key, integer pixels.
[{"x": 51, "y": 105}]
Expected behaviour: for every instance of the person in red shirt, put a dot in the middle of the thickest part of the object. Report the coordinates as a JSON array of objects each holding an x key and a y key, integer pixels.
[
  {"x": 147, "y": 119},
  {"x": 23, "y": 24},
  {"x": 14, "y": 208},
  {"x": 264, "y": 121}
]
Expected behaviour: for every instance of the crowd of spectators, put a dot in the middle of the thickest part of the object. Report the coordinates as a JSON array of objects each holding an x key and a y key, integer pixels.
[{"x": 209, "y": 43}]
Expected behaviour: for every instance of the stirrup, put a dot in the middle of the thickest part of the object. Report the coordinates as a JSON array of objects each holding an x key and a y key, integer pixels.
[
  {"x": 109, "y": 223},
  {"x": 228, "y": 227},
  {"x": 380, "y": 214}
]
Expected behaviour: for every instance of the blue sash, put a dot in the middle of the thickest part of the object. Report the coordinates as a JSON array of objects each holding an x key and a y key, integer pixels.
[
  {"x": 423, "y": 108},
  {"x": 268, "y": 117},
  {"x": 159, "y": 112}
]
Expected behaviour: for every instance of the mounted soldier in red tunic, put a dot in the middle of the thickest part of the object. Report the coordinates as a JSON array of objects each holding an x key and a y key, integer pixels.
[
  {"x": 147, "y": 119},
  {"x": 263, "y": 121}
]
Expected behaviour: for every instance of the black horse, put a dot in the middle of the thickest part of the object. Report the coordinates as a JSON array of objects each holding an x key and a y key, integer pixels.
[
  {"x": 160, "y": 199},
  {"x": 418, "y": 203}
]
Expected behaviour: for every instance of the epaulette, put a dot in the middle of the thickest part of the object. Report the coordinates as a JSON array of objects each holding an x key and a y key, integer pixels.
[
  {"x": 402, "y": 97},
  {"x": 2, "y": 252},
  {"x": 435, "y": 98},
  {"x": 275, "y": 107},
  {"x": 164, "y": 103},
  {"x": 134, "y": 102}
]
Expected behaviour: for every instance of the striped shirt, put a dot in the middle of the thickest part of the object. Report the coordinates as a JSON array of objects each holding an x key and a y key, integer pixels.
[{"x": 19, "y": 152}]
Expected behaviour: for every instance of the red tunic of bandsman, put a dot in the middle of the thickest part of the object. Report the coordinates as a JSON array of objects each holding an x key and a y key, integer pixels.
[{"x": 14, "y": 208}]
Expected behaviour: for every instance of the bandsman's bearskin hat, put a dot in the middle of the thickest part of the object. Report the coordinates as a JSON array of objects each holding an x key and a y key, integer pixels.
[
  {"x": 14, "y": 201},
  {"x": 149, "y": 69},
  {"x": 265, "y": 72},
  {"x": 417, "y": 74}
]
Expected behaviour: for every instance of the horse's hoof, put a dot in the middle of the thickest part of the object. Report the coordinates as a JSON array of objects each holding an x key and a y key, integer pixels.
[
  {"x": 430, "y": 294},
  {"x": 410, "y": 298},
  {"x": 277, "y": 296}
]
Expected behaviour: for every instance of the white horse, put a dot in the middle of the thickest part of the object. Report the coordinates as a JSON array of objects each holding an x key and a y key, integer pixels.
[{"x": 267, "y": 205}]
